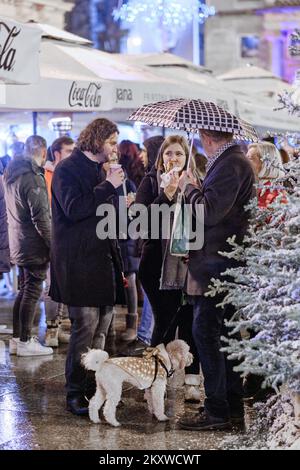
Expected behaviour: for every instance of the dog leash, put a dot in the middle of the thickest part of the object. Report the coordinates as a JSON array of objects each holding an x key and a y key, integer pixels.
[{"x": 154, "y": 353}]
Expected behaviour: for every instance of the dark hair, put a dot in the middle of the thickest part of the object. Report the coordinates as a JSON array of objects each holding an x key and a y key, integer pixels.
[
  {"x": 217, "y": 136},
  {"x": 131, "y": 162},
  {"x": 172, "y": 139},
  {"x": 92, "y": 138},
  {"x": 17, "y": 149},
  {"x": 152, "y": 145},
  {"x": 57, "y": 145}
]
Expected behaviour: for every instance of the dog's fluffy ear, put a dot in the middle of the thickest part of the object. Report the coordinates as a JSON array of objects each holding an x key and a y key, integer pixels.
[
  {"x": 178, "y": 351},
  {"x": 94, "y": 359}
]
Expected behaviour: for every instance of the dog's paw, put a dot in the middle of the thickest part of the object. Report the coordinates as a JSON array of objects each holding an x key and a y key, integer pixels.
[
  {"x": 114, "y": 423},
  {"x": 95, "y": 419},
  {"x": 94, "y": 416},
  {"x": 162, "y": 418}
]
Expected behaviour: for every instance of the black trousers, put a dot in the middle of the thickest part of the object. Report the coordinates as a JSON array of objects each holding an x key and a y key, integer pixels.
[
  {"x": 30, "y": 288},
  {"x": 166, "y": 307},
  {"x": 223, "y": 386}
]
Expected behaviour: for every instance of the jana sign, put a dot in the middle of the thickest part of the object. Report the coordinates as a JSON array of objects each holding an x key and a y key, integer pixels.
[{"x": 19, "y": 52}]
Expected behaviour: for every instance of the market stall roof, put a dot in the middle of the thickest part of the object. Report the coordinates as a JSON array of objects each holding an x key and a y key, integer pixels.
[
  {"x": 162, "y": 59},
  {"x": 19, "y": 52},
  {"x": 75, "y": 77},
  {"x": 255, "y": 80},
  {"x": 242, "y": 100}
]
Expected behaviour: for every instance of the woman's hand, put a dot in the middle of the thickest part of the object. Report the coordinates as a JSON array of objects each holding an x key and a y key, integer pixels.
[{"x": 172, "y": 186}]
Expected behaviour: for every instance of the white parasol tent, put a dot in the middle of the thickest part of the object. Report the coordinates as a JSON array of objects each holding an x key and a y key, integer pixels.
[
  {"x": 19, "y": 52},
  {"x": 75, "y": 77},
  {"x": 250, "y": 100},
  {"x": 254, "y": 80}
]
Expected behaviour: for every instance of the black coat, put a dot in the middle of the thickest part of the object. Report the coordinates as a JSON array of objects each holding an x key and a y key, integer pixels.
[
  {"x": 28, "y": 212},
  {"x": 151, "y": 250},
  {"x": 84, "y": 268},
  {"x": 4, "y": 246},
  {"x": 227, "y": 188}
]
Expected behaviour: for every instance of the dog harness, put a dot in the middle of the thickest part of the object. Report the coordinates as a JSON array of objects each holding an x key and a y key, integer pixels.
[{"x": 150, "y": 366}]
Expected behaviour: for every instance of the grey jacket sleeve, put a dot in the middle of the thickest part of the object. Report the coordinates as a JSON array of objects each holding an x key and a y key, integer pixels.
[{"x": 37, "y": 199}]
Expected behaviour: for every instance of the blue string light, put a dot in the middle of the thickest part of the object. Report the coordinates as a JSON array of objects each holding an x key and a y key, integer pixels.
[{"x": 172, "y": 14}]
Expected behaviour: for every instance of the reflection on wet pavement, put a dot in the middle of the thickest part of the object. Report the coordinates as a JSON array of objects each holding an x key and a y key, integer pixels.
[{"x": 33, "y": 415}]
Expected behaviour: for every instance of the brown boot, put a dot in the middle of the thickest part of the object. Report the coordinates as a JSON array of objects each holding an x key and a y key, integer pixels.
[{"x": 131, "y": 327}]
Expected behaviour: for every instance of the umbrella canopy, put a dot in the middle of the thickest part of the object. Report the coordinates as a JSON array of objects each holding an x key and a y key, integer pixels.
[{"x": 192, "y": 115}]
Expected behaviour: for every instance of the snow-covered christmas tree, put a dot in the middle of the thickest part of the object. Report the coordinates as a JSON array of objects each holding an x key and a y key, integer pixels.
[{"x": 266, "y": 291}]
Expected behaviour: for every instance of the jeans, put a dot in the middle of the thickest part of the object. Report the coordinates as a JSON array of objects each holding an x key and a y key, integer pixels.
[
  {"x": 146, "y": 323},
  {"x": 223, "y": 386},
  {"x": 89, "y": 327},
  {"x": 30, "y": 288}
]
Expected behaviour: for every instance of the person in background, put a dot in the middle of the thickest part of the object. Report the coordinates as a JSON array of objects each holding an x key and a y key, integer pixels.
[
  {"x": 267, "y": 165},
  {"x": 85, "y": 268},
  {"x": 4, "y": 245},
  {"x": 17, "y": 149},
  {"x": 131, "y": 162},
  {"x": 128, "y": 254},
  {"x": 148, "y": 156},
  {"x": 29, "y": 238},
  {"x": 57, "y": 319},
  {"x": 60, "y": 149}
]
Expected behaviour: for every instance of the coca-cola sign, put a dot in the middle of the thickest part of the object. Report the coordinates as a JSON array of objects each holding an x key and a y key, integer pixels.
[
  {"x": 7, "y": 50},
  {"x": 19, "y": 51},
  {"x": 87, "y": 96}
]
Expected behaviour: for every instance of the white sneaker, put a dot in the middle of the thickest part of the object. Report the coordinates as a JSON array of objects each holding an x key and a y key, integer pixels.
[
  {"x": 13, "y": 343},
  {"x": 32, "y": 347}
]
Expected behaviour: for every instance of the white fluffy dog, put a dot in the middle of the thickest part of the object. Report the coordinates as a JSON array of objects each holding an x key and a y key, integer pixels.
[{"x": 149, "y": 373}]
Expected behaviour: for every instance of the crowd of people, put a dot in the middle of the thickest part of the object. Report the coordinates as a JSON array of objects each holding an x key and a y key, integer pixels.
[{"x": 50, "y": 198}]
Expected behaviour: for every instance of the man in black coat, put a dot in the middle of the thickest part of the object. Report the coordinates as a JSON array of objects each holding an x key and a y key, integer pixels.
[
  {"x": 84, "y": 268},
  {"x": 29, "y": 239},
  {"x": 227, "y": 188}
]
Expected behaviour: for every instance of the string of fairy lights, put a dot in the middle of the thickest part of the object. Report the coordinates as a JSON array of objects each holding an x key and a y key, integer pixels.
[{"x": 171, "y": 14}]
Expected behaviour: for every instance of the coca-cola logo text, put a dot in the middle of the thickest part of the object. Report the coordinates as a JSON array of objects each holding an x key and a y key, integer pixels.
[
  {"x": 85, "y": 97},
  {"x": 7, "y": 52}
]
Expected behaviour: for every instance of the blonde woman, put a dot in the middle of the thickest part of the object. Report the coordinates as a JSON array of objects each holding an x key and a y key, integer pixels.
[{"x": 161, "y": 274}]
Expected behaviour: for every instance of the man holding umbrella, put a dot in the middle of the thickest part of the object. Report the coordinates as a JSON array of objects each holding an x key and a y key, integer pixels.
[
  {"x": 227, "y": 188},
  {"x": 222, "y": 197}
]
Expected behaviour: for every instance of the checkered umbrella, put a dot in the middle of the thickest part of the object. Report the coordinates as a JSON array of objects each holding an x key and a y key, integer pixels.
[{"x": 191, "y": 115}]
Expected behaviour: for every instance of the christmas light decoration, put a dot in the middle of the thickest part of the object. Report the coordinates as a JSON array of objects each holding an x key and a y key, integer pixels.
[
  {"x": 294, "y": 48},
  {"x": 171, "y": 14}
]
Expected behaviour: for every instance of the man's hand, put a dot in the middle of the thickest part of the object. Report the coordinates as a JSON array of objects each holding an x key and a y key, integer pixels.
[
  {"x": 115, "y": 177},
  {"x": 186, "y": 178}
]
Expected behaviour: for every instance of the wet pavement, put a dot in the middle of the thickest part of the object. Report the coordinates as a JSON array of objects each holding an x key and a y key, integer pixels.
[{"x": 33, "y": 415}]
